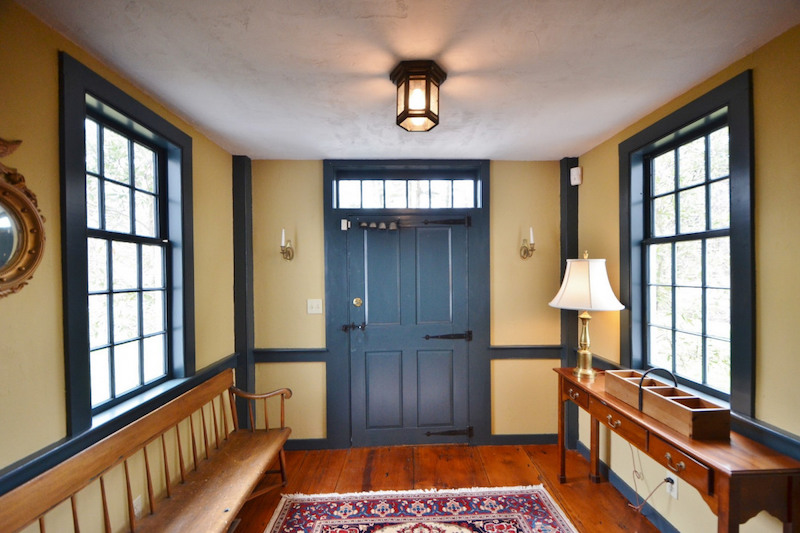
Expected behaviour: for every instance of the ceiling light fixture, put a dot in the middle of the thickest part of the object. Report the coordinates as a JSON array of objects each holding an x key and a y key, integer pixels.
[{"x": 418, "y": 94}]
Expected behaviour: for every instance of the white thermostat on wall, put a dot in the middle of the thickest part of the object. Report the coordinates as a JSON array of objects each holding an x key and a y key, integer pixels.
[{"x": 575, "y": 176}]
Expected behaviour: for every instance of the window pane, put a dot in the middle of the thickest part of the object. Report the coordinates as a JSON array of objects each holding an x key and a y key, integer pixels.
[
  {"x": 464, "y": 193},
  {"x": 154, "y": 358},
  {"x": 719, "y": 153},
  {"x": 661, "y": 347},
  {"x": 145, "y": 214},
  {"x": 718, "y": 371},
  {"x": 98, "y": 320},
  {"x": 689, "y": 356},
  {"x": 349, "y": 194},
  {"x": 92, "y": 202},
  {"x": 98, "y": 264},
  {"x": 664, "y": 216},
  {"x": 664, "y": 173},
  {"x": 661, "y": 306},
  {"x": 441, "y": 193},
  {"x": 718, "y": 313},
  {"x": 116, "y": 159},
  {"x": 152, "y": 267},
  {"x": 152, "y": 312},
  {"x": 125, "y": 265},
  {"x": 718, "y": 262},
  {"x": 396, "y": 194},
  {"x": 126, "y": 316},
  {"x": 693, "y": 210},
  {"x": 372, "y": 194},
  {"x": 91, "y": 130},
  {"x": 100, "y": 376},
  {"x": 689, "y": 259},
  {"x": 117, "y": 208},
  {"x": 692, "y": 163},
  {"x": 144, "y": 167},
  {"x": 720, "y": 205},
  {"x": 661, "y": 264},
  {"x": 689, "y": 310},
  {"x": 419, "y": 194},
  {"x": 126, "y": 367}
]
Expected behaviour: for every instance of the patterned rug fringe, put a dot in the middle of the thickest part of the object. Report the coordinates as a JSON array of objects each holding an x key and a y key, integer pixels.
[{"x": 304, "y": 497}]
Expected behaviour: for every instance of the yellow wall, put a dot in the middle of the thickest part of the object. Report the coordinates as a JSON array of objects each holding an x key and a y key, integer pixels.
[
  {"x": 776, "y": 78},
  {"x": 288, "y": 194},
  {"x": 524, "y": 195},
  {"x": 32, "y": 389},
  {"x": 522, "y": 396}
]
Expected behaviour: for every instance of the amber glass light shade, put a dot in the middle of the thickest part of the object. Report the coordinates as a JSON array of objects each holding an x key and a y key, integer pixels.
[{"x": 418, "y": 94}]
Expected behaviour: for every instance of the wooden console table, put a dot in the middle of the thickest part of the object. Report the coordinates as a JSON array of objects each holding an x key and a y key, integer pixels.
[{"x": 737, "y": 478}]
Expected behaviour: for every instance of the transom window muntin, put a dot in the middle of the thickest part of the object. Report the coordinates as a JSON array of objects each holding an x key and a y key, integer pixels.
[
  {"x": 687, "y": 260},
  {"x": 127, "y": 264},
  {"x": 402, "y": 193}
]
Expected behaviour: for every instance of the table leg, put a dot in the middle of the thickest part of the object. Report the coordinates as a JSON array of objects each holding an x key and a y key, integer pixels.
[
  {"x": 594, "y": 452},
  {"x": 562, "y": 474}
]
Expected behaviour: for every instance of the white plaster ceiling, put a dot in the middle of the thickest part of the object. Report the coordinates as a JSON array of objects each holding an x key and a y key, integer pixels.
[{"x": 309, "y": 79}]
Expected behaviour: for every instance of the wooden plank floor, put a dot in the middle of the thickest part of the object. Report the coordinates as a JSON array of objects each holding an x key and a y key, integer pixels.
[{"x": 591, "y": 507}]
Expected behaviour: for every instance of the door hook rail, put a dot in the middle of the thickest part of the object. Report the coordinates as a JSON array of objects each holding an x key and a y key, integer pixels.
[{"x": 351, "y": 326}]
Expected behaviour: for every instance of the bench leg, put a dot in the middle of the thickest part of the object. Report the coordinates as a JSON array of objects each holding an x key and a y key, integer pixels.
[
  {"x": 282, "y": 459},
  {"x": 282, "y": 462}
]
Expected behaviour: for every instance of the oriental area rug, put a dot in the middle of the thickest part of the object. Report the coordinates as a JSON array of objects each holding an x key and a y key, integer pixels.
[{"x": 478, "y": 510}]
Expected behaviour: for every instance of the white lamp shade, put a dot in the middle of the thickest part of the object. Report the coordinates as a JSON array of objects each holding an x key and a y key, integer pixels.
[{"x": 586, "y": 287}]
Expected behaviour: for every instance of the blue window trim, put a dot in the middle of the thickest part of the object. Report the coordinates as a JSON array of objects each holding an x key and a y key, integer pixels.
[
  {"x": 84, "y": 92},
  {"x": 734, "y": 99}
]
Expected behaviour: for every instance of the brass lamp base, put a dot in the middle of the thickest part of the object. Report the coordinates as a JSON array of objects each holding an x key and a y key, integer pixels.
[{"x": 584, "y": 368}]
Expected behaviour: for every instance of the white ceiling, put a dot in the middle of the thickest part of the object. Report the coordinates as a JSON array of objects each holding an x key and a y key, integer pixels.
[{"x": 309, "y": 79}]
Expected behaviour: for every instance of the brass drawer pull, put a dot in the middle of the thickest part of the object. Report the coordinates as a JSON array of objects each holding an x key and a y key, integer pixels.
[
  {"x": 573, "y": 395},
  {"x": 612, "y": 422},
  {"x": 675, "y": 468}
]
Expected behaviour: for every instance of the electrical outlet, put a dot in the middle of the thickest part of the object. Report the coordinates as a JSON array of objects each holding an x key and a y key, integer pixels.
[
  {"x": 138, "y": 507},
  {"x": 672, "y": 488}
]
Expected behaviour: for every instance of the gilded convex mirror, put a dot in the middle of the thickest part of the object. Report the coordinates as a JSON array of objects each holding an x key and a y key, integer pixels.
[{"x": 21, "y": 227}]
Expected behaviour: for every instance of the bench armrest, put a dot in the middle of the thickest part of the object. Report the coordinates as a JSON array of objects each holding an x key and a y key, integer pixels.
[{"x": 252, "y": 400}]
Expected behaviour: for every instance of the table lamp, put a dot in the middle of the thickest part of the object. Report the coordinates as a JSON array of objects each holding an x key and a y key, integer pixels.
[{"x": 586, "y": 288}]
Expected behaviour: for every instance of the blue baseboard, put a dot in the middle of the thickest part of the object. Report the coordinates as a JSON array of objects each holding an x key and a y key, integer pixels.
[{"x": 627, "y": 491}]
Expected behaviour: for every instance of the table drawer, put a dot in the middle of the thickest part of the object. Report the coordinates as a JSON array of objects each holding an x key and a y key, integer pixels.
[
  {"x": 616, "y": 421},
  {"x": 576, "y": 394},
  {"x": 696, "y": 474}
]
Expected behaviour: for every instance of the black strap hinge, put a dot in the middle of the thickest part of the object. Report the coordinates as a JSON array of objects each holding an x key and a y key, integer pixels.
[{"x": 467, "y": 336}]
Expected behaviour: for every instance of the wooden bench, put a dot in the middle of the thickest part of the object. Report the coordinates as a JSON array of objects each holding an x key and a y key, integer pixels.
[{"x": 194, "y": 465}]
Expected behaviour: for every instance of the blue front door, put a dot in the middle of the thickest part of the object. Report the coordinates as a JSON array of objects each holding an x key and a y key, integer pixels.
[{"x": 408, "y": 330}]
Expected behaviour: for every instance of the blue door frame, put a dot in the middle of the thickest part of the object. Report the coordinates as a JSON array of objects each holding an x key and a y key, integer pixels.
[{"x": 337, "y": 356}]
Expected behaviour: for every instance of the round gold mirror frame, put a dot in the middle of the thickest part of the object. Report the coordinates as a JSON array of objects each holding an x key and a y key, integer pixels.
[{"x": 21, "y": 206}]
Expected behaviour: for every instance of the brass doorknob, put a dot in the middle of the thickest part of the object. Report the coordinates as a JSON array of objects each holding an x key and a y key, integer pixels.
[{"x": 358, "y": 302}]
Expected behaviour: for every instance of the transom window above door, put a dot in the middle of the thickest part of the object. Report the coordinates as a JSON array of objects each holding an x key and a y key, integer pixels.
[{"x": 405, "y": 194}]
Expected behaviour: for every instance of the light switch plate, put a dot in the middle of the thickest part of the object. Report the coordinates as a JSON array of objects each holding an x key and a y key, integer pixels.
[{"x": 314, "y": 306}]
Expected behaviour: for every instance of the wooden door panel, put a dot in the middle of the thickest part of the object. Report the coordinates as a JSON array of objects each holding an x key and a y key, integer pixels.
[
  {"x": 382, "y": 280},
  {"x": 435, "y": 388},
  {"x": 384, "y": 389},
  {"x": 434, "y": 276}
]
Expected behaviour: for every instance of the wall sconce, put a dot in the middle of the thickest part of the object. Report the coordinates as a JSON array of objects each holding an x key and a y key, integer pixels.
[
  {"x": 418, "y": 94},
  {"x": 528, "y": 246},
  {"x": 286, "y": 247}
]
